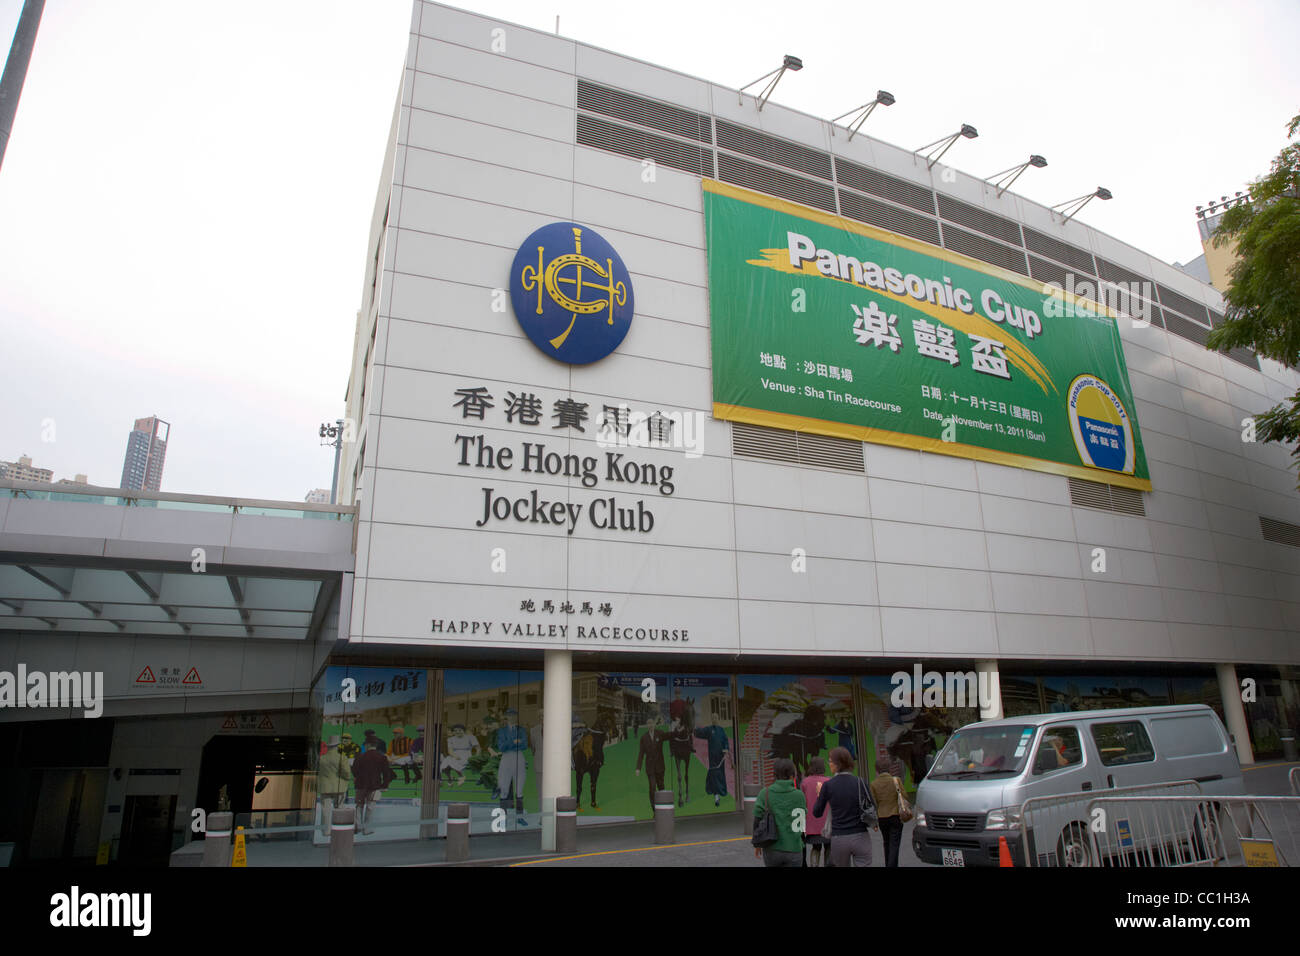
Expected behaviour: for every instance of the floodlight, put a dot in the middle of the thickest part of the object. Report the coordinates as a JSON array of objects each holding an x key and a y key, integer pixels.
[
  {"x": 883, "y": 98},
  {"x": 1004, "y": 179},
  {"x": 934, "y": 151},
  {"x": 789, "y": 62}
]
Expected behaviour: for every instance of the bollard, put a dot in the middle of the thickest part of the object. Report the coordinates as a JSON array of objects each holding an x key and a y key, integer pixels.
[
  {"x": 665, "y": 821},
  {"x": 216, "y": 845},
  {"x": 458, "y": 833},
  {"x": 751, "y": 800},
  {"x": 342, "y": 836},
  {"x": 566, "y": 824}
]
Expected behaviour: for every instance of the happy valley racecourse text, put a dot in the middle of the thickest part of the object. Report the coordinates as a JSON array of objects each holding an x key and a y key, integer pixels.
[{"x": 607, "y": 514}]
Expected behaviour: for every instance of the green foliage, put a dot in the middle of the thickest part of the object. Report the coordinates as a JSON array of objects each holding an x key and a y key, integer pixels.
[{"x": 1263, "y": 296}]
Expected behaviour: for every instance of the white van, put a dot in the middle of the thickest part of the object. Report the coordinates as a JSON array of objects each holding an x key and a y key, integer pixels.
[{"x": 974, "y": 792}]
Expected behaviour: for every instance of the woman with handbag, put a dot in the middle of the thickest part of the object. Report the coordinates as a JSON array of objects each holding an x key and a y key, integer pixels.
[
  {"x": 816, "y": 838},
  {"x": 893, "y": 809},
  {"x": 775, "y": 812},
  {"x": 853, "y": 812}
]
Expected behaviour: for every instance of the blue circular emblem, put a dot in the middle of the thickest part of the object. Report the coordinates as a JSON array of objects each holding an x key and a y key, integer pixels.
[{"x": 571, "y": 293}]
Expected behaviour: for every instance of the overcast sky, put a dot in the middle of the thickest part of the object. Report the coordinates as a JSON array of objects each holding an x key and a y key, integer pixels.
[{"x": 185, "y": 199}]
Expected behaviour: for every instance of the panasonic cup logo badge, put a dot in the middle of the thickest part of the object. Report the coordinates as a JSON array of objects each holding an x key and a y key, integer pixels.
[
  {"x": 571, "y": 293},
  {"x": 1102, "y": 428}
]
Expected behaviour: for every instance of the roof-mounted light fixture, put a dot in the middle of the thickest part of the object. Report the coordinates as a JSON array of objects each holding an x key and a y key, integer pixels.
[
  {"x": 1005, "y": 178},
  {"x": 1074, "y": 205},
  {"x": 883, "y": 98},
  {"x": 792, "y": 63},
  {"x": 932, "y": 151},
  {"x": 1213, "y": 208}
]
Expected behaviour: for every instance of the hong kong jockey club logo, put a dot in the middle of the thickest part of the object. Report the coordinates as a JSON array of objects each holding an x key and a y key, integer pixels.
[
  {"x": 571, "y": 293},
  {"x": 1103, "y": 430}
]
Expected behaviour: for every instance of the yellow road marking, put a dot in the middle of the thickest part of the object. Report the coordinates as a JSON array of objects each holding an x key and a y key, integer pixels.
[{"x": 640, "y": 849}]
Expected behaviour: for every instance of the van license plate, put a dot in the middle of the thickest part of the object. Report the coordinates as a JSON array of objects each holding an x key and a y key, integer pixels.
[{"x": 953, "y": 858}]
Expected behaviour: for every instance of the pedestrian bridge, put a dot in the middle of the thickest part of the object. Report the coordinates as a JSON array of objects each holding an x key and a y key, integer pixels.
[{"x": 245, "y": 595}]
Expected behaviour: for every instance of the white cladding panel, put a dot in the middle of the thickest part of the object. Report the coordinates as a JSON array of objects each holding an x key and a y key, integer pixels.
[{"x": 916, "y": 554}]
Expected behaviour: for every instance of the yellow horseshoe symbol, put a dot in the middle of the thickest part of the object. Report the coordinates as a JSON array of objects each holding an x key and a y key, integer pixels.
[
  {"x": 562, "y": 300},
  {"x": 550, "y": 279}
]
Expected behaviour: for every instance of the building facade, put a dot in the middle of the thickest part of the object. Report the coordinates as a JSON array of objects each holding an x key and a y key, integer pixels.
[
  {"x": 23, "y": 470},
  {"x": 623, "y": 518},
  {"x": 146, "y": 453},
  {"x": 680, "y": 437}
]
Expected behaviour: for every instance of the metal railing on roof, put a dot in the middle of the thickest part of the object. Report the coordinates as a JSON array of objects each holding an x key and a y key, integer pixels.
[{"x": 130, "y": 498}]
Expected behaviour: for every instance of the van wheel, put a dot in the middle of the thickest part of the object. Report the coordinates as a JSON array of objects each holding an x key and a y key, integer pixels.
[{"x": 1074, "y": 848}]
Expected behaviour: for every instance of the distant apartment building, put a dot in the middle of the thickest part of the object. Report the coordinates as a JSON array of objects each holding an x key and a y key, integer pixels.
[
  {"x": 22, "y": 470},
  {"x": 78, "y": 480},
  {"x": 146, "y": 450},
  {"x": 318, "y": 496}
]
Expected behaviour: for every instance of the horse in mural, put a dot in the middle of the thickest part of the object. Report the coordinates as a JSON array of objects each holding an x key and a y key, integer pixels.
[
  {"x": 589, "y": 754},
  {"x": 681, "y": 746},
  {"x": 800, "y": 738},
  {"x": 916, "y": 742}
]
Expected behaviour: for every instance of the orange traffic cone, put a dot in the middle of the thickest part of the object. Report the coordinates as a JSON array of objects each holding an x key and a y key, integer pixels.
[{"x": 1004, "y": 852}]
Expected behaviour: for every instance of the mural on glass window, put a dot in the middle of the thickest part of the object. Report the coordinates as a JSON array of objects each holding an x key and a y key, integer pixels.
[
  {"x": 796, "y": 717},
  {"x": 372, "y": 748},
  {"x": 1069, "y": 692},
  {"x": 489, "y": 748},
  {"x": 905, "y": 739},
  {"x": 633, "y": 734}
]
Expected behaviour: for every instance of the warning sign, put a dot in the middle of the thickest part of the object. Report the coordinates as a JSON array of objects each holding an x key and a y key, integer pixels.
[
  {"x": 169, "y": 678},
  {"x": 1259, "y": 853},
  {"x": 256, "y": 722}
]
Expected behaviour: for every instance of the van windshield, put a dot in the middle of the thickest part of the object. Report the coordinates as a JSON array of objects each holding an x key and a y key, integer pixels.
[{"x": 981, "y": 751}]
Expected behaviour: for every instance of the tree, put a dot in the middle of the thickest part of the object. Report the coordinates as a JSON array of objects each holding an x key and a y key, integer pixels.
[{"x": 1263, "y": 296}]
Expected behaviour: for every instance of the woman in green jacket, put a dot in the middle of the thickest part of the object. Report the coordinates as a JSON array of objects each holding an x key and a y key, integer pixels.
[{"x": 787, "y": 804}]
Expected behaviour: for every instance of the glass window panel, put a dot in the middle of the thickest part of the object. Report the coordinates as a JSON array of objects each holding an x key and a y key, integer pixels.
[{"x": 1121, "y": 743}]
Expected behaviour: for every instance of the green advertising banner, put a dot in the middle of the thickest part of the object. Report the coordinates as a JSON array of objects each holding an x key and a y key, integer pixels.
[{"x": 825, "y": 325}]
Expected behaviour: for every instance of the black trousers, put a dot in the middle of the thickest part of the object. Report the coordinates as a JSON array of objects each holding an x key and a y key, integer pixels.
[
  {"x": 891, "y": 831},
  {"x": 655, "y": 780}
]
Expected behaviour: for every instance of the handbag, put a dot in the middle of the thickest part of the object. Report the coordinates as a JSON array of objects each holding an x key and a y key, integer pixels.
[
  {"x": 765, "y": 833},
  {"x": 904, "y": 808},
  {"x": 867, "y": 809}
]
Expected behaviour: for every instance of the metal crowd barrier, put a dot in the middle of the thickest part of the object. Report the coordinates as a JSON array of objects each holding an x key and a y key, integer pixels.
[
  {"x": 1196, "y": 831},
  {"x": 1055, "y": 829}
]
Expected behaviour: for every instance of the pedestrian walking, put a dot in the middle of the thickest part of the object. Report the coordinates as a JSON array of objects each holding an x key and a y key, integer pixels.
[
  {"x": 816, "y": 843},
  {"x": 786, "y": 802},
  {"x": 888, "y": 793},
  {"x": 332, "y": 778},
  {"x": 848, "y": 797},
  {"x": 372, "y": 775}
]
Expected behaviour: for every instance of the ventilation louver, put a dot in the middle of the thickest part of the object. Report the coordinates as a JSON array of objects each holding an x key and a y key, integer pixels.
[
  {"x": 1280, "y": 532},
  {"x": 1104, "y": 497},
  {"x": 801, "y": 448}
]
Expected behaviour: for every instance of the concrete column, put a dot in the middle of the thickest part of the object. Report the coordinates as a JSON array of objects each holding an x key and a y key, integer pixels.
[
  {"x": 342, "y": 836},
  {"x": 566, "y": 824},
  {"x": 1234, "y": 711},
  {"x": 990, "y": 690},
  {"x": 216, "y": 842},
  {"x": 665, "y": 817},
  {"x": 557, "y": 726},
  {"x": 458, "y": 833}
]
